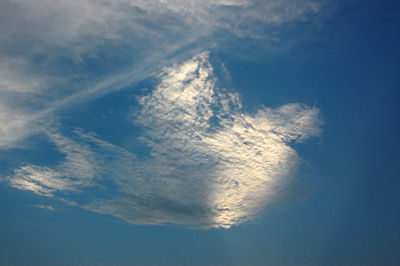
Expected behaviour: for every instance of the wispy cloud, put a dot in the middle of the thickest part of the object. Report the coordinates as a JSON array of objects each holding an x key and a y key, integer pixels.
[
  {"x": 210, "y": 163},
  {"x": 45, "y": 207},
  {"x": 49, "y": 48},
  {"x": 73, "y": 174}
]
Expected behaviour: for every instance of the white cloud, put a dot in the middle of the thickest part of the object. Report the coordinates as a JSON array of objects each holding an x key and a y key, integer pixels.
[
  {"x": 48, "y": 47},
  {"x": 210, "y": 163},
  {"x": 242, "y": 158}
]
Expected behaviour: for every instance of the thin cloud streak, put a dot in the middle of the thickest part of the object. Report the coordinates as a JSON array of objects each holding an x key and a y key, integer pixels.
[{"x": 45, "y": 207}]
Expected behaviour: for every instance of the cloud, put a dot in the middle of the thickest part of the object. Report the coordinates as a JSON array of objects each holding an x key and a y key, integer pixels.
[
  {"x": 73, "y": 174},
  {"x": 210, "y": 163},
  {"x": 56, "y": 54},
  {"x": 45, "y": 207}
]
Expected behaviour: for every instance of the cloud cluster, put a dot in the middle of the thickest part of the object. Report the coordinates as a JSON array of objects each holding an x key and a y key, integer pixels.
[
  {"x": 59, "y": 53},
  {"x": 210, "y": 163}
]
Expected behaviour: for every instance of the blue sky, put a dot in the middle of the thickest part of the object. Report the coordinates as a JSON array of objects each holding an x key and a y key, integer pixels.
[{"x": 205, "y": 132}]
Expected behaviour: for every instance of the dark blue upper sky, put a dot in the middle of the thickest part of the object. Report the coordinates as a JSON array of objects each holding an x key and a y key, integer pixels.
[{"x": 228, "y": 133}]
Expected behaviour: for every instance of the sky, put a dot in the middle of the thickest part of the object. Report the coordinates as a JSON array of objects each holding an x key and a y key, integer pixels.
[{"x": 225, "y": 132}]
